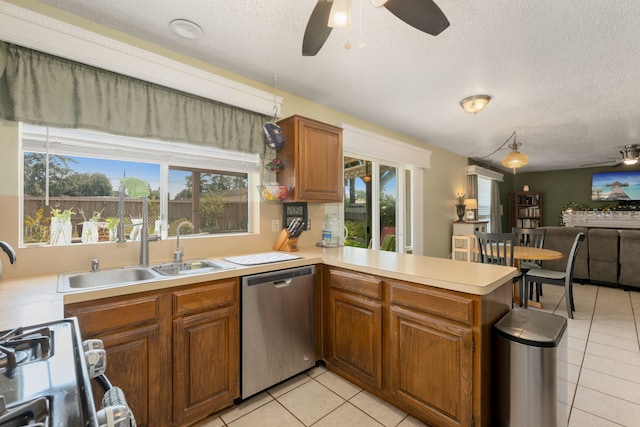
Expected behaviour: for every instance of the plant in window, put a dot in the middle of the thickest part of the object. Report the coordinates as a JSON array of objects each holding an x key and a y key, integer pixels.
[
  {"x": 60, "y": 230},
  {"x": 112, "y": 227},
  {"x": 35, "y": 229}
]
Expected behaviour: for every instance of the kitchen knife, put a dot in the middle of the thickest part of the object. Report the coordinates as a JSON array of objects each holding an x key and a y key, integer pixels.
[
  {"x": 293, "y": 224},
  {"x": 298, "y": 230}
]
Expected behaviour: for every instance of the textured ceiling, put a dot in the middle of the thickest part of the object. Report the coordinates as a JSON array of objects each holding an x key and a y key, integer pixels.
[{"x": 564, "y": 75}]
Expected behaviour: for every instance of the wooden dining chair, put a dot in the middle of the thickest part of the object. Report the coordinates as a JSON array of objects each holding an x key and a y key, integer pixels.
[
  {"x": 532, "y": 238},
  {"x": 497, "y": 248},
  {"x": 562, "y": 278}
]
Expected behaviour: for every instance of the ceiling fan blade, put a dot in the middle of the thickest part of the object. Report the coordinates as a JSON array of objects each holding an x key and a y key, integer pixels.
[
  {"x": 424, "y": 15},
  {"x": 317, "y": 30}
]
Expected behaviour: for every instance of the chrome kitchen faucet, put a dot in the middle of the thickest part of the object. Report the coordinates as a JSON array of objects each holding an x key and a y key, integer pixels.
[{"x": 177, "y": 255}]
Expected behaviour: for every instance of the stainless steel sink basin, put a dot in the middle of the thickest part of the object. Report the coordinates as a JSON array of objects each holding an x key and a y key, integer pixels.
[
  {"x": 102, "y": 278},
  {"x": 189, "y": 267},
  {"x": 69, "y": 282}
]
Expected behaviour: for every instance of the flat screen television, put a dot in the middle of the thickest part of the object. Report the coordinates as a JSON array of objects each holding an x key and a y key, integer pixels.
[{"x": 615, "y": 186}]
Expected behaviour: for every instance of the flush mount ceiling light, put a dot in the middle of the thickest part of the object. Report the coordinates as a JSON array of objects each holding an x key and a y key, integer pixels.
[
  {"x": 514, "y": 159},
  {"x": 186, "y": 29},
  {"x": 474, "y": 104}
]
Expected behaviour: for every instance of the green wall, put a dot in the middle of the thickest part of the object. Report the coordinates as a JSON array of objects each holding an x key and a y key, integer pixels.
[{"x": 561, "y": 187}]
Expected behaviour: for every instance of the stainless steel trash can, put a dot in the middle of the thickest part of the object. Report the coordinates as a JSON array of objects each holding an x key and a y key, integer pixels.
[{"x": 531, "y": 356}]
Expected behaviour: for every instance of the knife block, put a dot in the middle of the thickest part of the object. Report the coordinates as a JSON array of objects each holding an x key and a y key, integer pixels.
[{"x": 284, "y": 243}]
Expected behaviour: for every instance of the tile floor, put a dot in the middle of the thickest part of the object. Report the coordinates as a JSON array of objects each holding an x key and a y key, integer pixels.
[{"x": 603, "y": 379}]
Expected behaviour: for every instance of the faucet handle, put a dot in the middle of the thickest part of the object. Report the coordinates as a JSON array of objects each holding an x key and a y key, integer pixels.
[
  {"x": 95, "y": 264},
  {"x": 11, "y": 253}
]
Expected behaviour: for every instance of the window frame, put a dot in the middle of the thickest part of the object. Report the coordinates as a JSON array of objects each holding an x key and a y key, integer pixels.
[{"x": 99, "y": 145}]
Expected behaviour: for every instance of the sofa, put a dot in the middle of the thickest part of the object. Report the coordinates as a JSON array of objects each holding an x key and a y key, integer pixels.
[
  {"x": 629, "y": 258},
  {"x": 603, "y": 255}
]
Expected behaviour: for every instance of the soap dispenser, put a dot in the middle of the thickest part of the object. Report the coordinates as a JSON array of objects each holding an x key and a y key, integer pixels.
[{"x": 10, "y": 253}]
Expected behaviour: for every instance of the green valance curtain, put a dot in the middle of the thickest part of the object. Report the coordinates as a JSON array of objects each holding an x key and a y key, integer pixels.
[{"x": 43, "y": 89}]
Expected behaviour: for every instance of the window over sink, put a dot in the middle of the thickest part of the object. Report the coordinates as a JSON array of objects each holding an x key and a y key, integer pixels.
[{"x": 80, "y": 171}]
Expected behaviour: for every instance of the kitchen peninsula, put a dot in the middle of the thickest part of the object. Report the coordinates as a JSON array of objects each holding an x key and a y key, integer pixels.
[{"x": 415, "y": 331}]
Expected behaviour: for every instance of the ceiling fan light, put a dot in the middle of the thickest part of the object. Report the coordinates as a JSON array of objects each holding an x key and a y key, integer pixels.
[
  {"x": 474, "y": 104},
  {"x": 340, "y": 15},
  {"x": 630, "y": 161}
]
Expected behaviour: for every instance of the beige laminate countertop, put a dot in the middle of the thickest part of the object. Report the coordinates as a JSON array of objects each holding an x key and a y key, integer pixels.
[{"x": 34, "y": 299}]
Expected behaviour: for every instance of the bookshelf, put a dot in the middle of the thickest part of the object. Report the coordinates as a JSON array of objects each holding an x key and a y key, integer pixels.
[{"x": 525, "y": 210}]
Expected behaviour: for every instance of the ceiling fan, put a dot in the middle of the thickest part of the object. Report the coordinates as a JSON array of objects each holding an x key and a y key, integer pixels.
[
  {"x": 630, "y": 156},
  {"x": 424, "y": 15}
]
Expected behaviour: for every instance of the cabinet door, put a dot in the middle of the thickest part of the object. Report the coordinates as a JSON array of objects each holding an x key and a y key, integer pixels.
[
  {"x": 206, "y": 363},
  {"x": 314, "y": 151},
  {"x": 319, "y": 169},
  {"x": 431, "y": 367},
  {"x": 132, "y": 332},
  {"x": 355, "y": 337},
  {"x": 133, "y": 365}
]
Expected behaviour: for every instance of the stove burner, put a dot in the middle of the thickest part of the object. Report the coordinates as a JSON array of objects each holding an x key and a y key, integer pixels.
[
  {"x": 29, "y": 341},
  {"x": 34, "y": 413}
]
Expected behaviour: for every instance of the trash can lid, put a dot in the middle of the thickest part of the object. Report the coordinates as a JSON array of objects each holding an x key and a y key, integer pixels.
[{"x": 531, "y": 327}]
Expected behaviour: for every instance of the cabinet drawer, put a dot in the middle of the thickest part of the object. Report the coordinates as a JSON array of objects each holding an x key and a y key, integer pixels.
[
  {"x": 119, "y": 313},
  {"x": 429, "y": 300},
  {"x": 205, "y": 297},
  {"x": 357, "y": 283}
]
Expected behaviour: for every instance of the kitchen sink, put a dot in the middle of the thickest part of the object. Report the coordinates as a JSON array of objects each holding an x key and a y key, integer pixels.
[
  {"x": 102, "y": 278},
  {"x": 68, "y": 282},
  {"x": 189, "y": 267}
]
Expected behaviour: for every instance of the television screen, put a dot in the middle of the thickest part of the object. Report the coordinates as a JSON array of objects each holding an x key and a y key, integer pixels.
[{"x": 615, "y": 186}]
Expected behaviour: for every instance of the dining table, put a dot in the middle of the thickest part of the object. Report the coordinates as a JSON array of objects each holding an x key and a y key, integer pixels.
[{"x": 527, "y": 253}]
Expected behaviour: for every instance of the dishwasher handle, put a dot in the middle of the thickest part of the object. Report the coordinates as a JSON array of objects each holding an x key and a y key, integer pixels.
[{"x": 282, "y": 283}]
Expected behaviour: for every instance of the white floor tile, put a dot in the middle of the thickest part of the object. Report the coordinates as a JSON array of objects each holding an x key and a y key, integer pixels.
[
  {"x": 613, "y": 341},
  {"x": 611, "y": 367},
  {"x": 584, "y": 419},
  {"x": 608, "y": 384},
  {"x": 270, "y": 415},
  {"x": 347, "y": 415},
  {"x": 382, "y": 411},
  {"x": 607, "y": 407},
  {"x": 624, "y": 356},
  {"x": 287, "y": 386},
  {"x": 338, "y": 385},
  {"x": 245, "y": 407},
  {"x": 310, "y": 402}
]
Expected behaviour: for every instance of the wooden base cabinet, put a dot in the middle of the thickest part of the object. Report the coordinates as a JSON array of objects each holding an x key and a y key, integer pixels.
[
  {"x": 174, "y": 352},
  {"x": 434, "y": 358},
  {"x": 354, "y": 322},
  {"x": 430, "y": 361},
  {"x": 206, "y": 349}
]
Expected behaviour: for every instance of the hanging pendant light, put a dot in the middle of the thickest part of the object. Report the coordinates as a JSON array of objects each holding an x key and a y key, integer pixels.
[{"x": 515, "y": 159}]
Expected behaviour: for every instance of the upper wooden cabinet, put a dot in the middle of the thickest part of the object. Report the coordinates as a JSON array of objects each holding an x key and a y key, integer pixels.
[{"x": 313, "y": 155}]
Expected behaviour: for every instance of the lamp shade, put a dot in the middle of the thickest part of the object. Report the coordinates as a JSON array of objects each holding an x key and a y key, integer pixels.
[
  {"x": 515, "y": 160},
  {"x": 471, "y": 203},
  {"x": 475, "y": 104}
]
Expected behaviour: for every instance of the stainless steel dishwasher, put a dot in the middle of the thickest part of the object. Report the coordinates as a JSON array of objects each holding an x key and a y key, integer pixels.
[{"x": 278, "y": 327}]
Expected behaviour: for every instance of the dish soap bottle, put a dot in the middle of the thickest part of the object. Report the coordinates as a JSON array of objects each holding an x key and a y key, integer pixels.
[{"x": 331, "y": 230}]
